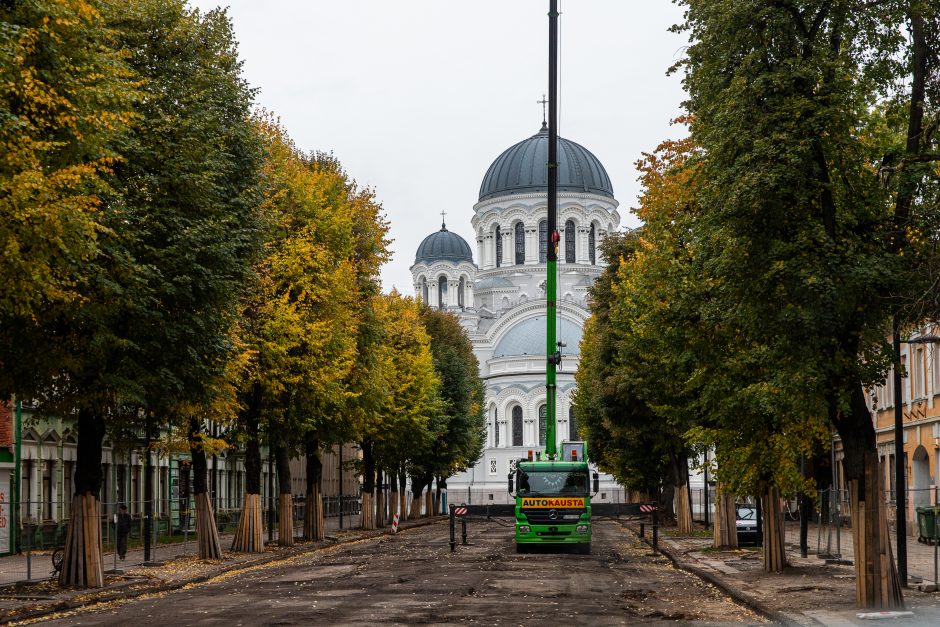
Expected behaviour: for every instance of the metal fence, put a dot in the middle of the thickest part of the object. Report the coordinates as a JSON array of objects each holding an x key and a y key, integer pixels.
[{"x": 171, "y": 535}]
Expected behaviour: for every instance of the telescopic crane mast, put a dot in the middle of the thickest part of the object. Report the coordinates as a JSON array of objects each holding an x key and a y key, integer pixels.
[{"x": 551, "y": 344}]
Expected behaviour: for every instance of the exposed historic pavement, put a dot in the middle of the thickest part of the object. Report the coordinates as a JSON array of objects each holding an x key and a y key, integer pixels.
[{"x": 413, "y": 578}]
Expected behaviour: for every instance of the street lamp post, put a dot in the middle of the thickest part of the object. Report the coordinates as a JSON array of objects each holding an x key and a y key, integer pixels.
[{"x": 899, "y": 456}]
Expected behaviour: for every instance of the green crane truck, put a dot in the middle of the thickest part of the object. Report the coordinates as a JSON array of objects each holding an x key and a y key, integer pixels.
[{"x": 553, "y": 498}]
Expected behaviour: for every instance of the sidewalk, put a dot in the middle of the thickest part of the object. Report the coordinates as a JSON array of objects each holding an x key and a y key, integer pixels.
[
  {"x": 810, "y": 592},
  {"x": 45, "y": 597}
]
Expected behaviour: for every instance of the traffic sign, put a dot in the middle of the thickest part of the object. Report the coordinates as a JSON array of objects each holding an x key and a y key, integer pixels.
[
  {"x": 460, "y": 511},
  {"x": 646, "y": 509}
]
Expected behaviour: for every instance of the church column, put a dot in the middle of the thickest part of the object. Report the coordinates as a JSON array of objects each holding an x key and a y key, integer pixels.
[
  {"x": 531, "y": 244},
  {"x": 481, "y": 255},
  {"x": 468, "y": 301},
  {"x": 509, "y": 249},
  {"x": 453, "y": 286},
  {"x": 489, "y": 252},
  {"x": 432, "y": 294},
  {"x": 582, "y": 247}
]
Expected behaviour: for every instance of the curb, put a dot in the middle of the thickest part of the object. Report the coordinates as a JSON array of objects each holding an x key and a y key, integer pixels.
[
  {"x": 737, "y": 595},
  {"x": 118, "y": 591}
]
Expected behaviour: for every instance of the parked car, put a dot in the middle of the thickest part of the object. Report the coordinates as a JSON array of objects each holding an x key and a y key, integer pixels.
[{"x": 746, "y": 524}]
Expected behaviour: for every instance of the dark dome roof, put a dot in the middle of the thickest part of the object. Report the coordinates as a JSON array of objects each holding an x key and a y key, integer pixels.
[
  {"x": 443, "y": 245},
  {"x": 521, "y": 169}
]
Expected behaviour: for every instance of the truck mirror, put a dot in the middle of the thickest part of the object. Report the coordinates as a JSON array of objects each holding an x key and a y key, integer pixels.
[
  {"x": 597, "y": 483},
  {"x": 510, "y": 483}
]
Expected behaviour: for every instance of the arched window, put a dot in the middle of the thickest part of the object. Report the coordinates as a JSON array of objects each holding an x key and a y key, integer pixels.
[
  {"x": 442, "y": 292},
  {"x": 572, "y": 424},
  {"x": 496, "y": 427},
  {"x": 591, "y": 240},
  {"x": 517, "y": 426},
  {"x": 460, "y": 293},
  {"x": 499, "y": 247},
  {"x": 543, "y": 423},
  {"x": 424, "y": 290},
  {"x": 543, "y": 241},
  {"x": 520, "y": 244},
  {"x": 569, "y": 241}
]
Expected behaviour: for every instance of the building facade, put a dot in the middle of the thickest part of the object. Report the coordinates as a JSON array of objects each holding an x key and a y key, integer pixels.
[{"x": 500, "y": 298}]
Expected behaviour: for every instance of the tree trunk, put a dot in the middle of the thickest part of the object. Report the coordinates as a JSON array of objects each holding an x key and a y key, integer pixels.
[
  {"x": 416, "y": 489},
  {"x": 876, "y": 580},
  {"x": 367, "y": 520},
  {"x": 806, "y": 507},
  {"x": 313, "y": 514},
  {"x": 680, "y": 479},
  {"x": 207, "y": 533},
  {"x": 249, "y": 535},
  {"x": 81, "y": 563},
  {"x": 429, "y": 499},
  {"x": 379, "y": 499},
  {"x": 402, "y": 495},
  {"x": 726, "y": 519},
  {"x": 285, "y": 502},
  {"x": 775, "y": 555},
  {"x": 392, "y": 479}
]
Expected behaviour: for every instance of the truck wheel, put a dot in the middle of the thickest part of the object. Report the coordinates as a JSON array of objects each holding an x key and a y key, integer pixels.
[
  {"x": 522, "y": 548},
  {"x": 584, "y": 549}
]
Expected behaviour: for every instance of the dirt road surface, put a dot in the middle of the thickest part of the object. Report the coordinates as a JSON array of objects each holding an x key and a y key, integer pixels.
[{"x": 413, "y": 578}]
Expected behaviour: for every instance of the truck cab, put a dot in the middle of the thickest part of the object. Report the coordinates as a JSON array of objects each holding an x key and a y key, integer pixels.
[{"x": 553, "y": 500}]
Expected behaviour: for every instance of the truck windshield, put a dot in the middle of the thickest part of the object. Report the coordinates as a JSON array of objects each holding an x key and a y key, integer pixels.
[{"x": 555, "y": 483}]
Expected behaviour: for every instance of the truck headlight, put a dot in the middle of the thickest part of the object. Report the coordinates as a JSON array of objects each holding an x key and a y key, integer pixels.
[
  {"x": 582, "y": 528},
  {"x": 524, "y": 529}
]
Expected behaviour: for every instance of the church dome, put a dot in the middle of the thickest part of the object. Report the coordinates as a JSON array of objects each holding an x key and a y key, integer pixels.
[
  {"x": 528, "y": 338},
  {"x": 443, "y": 246},
  {"x": 521, "y": 169}
]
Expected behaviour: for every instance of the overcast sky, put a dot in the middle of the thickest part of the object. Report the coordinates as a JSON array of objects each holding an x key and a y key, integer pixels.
[{"x": 417, "y": 97}]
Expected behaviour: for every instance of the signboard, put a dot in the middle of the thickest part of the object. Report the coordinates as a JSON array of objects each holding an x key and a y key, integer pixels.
[
  {"x": 545, "y": 503},
  {"x": 5, "y": 517}
]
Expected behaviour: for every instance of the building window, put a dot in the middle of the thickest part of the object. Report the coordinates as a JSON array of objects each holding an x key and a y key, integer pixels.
[
  {"x": 460, "y": 293},
  {"x": 935, "y": 350},
  {"x": 543, "y": 241},
  {"x": 572, "y": 424},
  {"x": 495, "y": 427},
  {"x": 48, "y": 480},
  {"x": 520, "y": 244},
  {"x": 442, "y": 292},
  {"x": 543, "y": 423},
  {"x": 918, "y": 373},
  {"x": 592, "y": 238},
  {"x": 499, "y": 247},
  {"x": 517, "y": 426},
  {"x": 569, "y": 241},
  {"x": 492, "y": 463}
]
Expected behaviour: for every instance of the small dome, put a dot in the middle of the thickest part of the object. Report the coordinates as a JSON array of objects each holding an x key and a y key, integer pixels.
[
  {"x": 521, "y": 169},
  {"x": 528, "y": 338},
  {"x": 443, "y": 246}
]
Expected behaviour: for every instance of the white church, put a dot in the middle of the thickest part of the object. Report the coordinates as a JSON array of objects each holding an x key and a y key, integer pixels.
[{"x": 500, "y": 299}]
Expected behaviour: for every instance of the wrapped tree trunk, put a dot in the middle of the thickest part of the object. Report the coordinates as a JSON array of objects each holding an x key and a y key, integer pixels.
[
  {"x": 285, "y": 502},
  {"x": 417, "y": 487},
  {"x": 249, "y": 535},
  {"x": 725, "y": 527},
  {"x": 429, "y": 499},
  {"x": 680, "y": 476},
  {"x": 207, "y": 533},
  {"x": 775, "y": 555},
  {"x": 313, "y": 514},
  {"x": 81, "y": 563},
  {"x": 367, "y": 519},
  {"x": 877, "y": 584}
]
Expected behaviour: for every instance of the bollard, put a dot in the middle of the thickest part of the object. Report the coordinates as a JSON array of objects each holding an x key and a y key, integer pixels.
[
  {"x": 463, "y": 530},
  {"x": 655, "y": 530},
  {"x": 642, "y": 529},
  {"x": 453, "y": 530}
]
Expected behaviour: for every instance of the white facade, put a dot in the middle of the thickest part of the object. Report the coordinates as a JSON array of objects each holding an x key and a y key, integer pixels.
[{"x": 501, "y": 302}]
